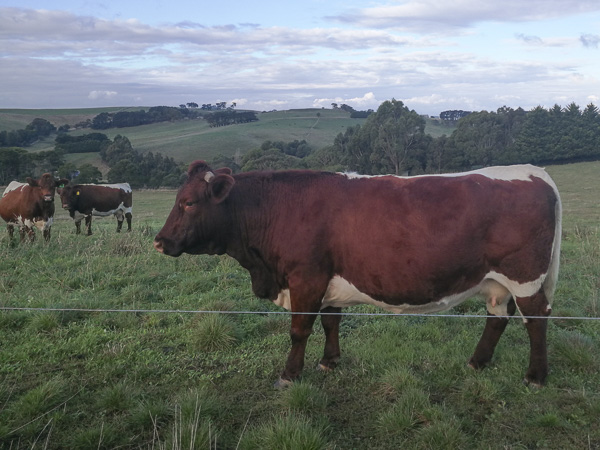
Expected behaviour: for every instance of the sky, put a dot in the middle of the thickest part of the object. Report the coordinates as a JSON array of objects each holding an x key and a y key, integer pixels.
[{"x": 433, "y": 55}]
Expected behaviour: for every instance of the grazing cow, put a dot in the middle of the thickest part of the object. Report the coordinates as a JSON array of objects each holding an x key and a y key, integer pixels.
[
  {"x": 87, "y": 200},
  {"x": 316, "y": 242},
  {"x": 29, "y": 205}
]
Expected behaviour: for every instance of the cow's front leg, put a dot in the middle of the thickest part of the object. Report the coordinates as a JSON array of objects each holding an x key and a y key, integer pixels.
[
  {"x": 128, "y": 217},
  {"x": 11, "y": 230},
  {"x": 538, "y": 306},
  {"x": 47, "y": 234},
  {"x": 78, "y": 227},
  {"x": 330, "y": 319},
  {"x": 299, "y": 333},
  {"x": 494, "y": 327}
]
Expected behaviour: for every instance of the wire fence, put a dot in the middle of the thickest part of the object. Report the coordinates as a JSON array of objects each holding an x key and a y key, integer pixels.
[{"x": 290, "y": 313}]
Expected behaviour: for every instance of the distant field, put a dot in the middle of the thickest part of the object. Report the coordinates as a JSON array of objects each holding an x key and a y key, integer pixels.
[
  {"x": 142, "y": 380},
  {"x": 189, "y": 140}
]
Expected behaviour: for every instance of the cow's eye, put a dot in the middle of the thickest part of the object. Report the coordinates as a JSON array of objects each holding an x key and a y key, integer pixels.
[{"x": 189, "y": 204}]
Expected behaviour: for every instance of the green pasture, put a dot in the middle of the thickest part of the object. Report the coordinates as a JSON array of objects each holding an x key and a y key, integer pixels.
[{"x": 141, "y": 377}]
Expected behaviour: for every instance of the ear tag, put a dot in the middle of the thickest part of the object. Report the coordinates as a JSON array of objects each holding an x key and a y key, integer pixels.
[{"x": 77, "y": 193}]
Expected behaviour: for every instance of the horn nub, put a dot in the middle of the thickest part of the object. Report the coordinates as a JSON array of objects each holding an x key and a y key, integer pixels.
[{"x": 209, "y": 176}]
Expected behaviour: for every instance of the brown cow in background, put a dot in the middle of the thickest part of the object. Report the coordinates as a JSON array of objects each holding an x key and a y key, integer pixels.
[{"x": 30, "y": 205}]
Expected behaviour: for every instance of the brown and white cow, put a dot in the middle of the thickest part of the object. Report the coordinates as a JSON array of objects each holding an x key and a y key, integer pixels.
[
  {"x": 316, "y": 242},
  {"x": 87, "y": 200},
  {"x": 30, "y": 205}
]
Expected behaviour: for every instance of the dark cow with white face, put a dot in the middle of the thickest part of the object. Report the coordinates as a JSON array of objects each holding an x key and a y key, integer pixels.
[
  {"x": 30, "y": 205},
  {"x": 317, "y": 242},
  {"x": 87, "y": 200}
]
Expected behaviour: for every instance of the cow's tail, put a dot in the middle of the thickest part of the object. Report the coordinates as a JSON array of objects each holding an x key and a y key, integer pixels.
[{"x": 552, "y": 277}]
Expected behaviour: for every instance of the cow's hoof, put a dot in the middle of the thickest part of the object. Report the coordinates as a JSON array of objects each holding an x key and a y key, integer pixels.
[
  {"x": 477, "y": 365},
  {"x": 282, "y": 383},
  {"x": 533, "y": 384},
  {"x": 323, "y": 368}
]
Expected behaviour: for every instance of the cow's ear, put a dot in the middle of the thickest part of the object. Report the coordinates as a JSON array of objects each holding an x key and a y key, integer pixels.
[
  {"x": 32, "y": 182},
  {"x": 219, "y": 187},
  {"x": 224, "y": 170},
  {"x": 62, "y": 183}
]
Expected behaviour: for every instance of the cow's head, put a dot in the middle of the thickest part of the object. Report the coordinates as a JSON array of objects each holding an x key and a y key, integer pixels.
[
  {"x": 199, "y": 221},
  {"x": 47, "y": 185},
  {"x": 69, "y": 196}
]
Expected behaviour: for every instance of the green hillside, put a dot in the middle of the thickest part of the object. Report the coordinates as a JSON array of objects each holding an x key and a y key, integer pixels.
[{"x": 194, "y": 139}]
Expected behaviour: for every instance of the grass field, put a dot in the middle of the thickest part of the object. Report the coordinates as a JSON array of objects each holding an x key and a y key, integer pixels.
[
  {"x": 187, "y": 141},
  {"x": 163, "y": 380}
]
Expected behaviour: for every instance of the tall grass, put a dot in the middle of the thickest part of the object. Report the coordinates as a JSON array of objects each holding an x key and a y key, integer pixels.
[{"x": 76, "y": 379}]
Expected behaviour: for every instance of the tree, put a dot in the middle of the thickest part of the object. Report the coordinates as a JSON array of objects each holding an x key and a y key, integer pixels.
[{"x": 390, "y": 141}]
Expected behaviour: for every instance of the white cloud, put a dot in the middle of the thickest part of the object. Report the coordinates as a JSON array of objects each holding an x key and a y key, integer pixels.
[
  {"x": 95, "y": 95},
  {"x": 433, "y": 16}
]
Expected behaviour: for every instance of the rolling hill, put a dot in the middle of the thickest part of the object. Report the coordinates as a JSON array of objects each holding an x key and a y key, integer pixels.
[{"x": 188, "y": 140}]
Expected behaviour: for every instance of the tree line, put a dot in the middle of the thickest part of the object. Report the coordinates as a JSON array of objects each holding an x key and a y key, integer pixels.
[{"x": 391, "y": 140}]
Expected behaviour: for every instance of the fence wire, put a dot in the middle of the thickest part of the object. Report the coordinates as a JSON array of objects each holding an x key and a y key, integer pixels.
[{"x": 290, "y": 313}]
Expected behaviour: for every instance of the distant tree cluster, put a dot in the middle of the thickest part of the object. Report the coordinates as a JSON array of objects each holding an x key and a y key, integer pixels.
[
  {"x": 271, "y": 156},
  {"x": 354, "y": 114},
  {"x": 155, "y": 114},
  {"x": 393, "y": 140},
  {"x": 87, "y": 143},
  {"x": 230, "y": 117},
  {"x": 37, "y": 129},
  {"x": 17, "y": 163},
  {"x": 139, "y": 169},
  {"x": 453, "y": 115}
]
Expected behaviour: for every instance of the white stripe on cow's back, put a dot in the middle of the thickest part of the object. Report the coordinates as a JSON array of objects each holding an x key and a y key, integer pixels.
[
  {"x": 521, "y": 172},
  {"x": 341, "y": 293},
  {"x": 123, "y": 186},
  {"x": 13, "y": 186}
]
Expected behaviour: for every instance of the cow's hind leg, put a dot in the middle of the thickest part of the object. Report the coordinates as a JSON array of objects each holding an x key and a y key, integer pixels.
[
  {"x": 536, "y": 306},
  {"x": 120, "y": 219},
  {"x": 494, "y": 327},
  {"x": 330, "y": 319},
  {"x": 88, "y": 224}
]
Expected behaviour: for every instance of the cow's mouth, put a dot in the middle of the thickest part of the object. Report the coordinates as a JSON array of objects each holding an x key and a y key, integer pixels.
[{"x": 48, "y": 198}]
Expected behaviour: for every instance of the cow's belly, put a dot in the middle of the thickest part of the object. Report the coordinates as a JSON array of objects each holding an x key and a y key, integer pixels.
[
  {"x": 494, "y": 287},
  {"x": 40, "y": 224},
  {"x": 118, "y": 211}
]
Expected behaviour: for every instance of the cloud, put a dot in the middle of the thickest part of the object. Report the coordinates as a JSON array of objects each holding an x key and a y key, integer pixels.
[
  {"x": 534, "y": 40},
  {"x": 434, "y": 16},
  {"x": 590, "y": 40},
  {"x": 95, "y": 95}
]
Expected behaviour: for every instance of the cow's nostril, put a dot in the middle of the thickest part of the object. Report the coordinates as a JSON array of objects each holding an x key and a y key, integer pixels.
[{"x": 158, "y": 246}]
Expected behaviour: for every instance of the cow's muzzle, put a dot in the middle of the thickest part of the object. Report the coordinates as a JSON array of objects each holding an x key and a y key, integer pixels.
[
  {"x": 48, "y": 198},
  {"x": 158, "y": 246}
]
